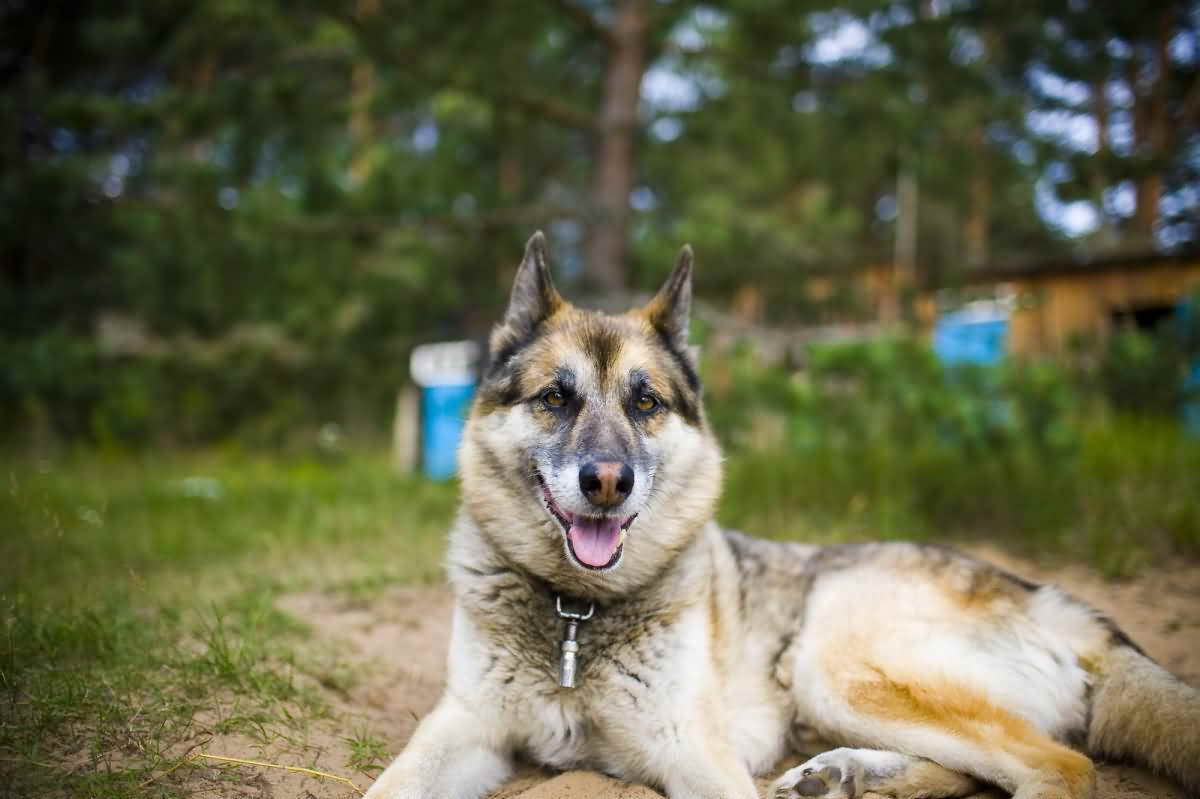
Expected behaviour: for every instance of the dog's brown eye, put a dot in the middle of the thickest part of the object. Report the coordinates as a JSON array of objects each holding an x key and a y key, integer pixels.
[
  {"x": 554, "y": 398},
  {"x": 645, "y": 403}
]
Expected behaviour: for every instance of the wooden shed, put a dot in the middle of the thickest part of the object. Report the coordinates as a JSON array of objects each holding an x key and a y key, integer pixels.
[{"x": 1055, "y": 302}]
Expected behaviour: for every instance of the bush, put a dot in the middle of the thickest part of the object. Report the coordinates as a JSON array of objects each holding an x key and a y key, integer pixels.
[
  {"x": 876, "y": 438},
  {"x": 1142, "y": 371}
]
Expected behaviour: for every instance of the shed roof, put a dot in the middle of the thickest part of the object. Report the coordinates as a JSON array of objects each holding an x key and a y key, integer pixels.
[{"x": 1082, "y": 265}]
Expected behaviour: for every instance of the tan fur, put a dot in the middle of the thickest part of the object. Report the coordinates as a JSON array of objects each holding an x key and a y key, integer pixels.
[
  {"x": 924, "y": 779},
  {"x": 1140, "y": 711},
  {"x": 958, "y": 710}
]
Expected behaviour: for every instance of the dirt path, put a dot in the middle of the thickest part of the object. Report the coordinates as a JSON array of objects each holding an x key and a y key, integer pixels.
[{"x": 401, "y": 640}]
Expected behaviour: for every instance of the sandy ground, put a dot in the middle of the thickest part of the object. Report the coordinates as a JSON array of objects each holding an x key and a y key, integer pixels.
[{"x": 400, "y": 642}]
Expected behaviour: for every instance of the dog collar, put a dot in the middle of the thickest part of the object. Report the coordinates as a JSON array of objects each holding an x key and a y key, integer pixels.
[{"x": 570, "y": 647}]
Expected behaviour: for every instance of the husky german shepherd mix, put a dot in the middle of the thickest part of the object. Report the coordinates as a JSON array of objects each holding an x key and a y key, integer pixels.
[{"x": 604, "y": 621}]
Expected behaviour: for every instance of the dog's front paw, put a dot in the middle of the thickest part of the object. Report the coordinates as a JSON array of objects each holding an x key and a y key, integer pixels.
[
  {"x": 833, "y": 775},
  {"x": 389, "y": 786}
]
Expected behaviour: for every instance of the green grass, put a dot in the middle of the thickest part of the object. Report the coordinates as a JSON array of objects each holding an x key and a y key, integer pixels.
[
  {"x": 137, "y": 598},
  {"x": 93, "y": 518},
  {"x": 1124, "y": 498},
  {"x": 367, "y": 752}
]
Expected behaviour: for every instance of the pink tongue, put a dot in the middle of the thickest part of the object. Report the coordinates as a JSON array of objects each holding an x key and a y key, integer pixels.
[{"x": 595, "y": 541}]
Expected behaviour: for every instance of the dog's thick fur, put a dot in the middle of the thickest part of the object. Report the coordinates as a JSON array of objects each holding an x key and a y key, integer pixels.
[{"x": 707, "y": 647}]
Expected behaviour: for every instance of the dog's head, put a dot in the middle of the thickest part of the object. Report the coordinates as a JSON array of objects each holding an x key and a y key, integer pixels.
[{"x": 587, "y": 459}]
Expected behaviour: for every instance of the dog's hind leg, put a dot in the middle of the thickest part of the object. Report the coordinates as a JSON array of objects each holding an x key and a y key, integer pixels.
[
  {"x": 923, "y": 652},
  {"x": 848, "y": 773},
  {"x": 958, "y": 729}
]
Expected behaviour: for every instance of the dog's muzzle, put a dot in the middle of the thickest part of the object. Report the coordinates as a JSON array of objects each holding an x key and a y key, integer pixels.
[{"x": 594, "y": 542}]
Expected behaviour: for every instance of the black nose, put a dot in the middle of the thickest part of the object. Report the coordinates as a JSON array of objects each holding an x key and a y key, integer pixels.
[{"x": 606, "y": 483}]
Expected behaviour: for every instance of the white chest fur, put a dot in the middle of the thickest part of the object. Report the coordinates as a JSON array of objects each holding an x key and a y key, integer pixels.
[{"x": 634, "y": 699}]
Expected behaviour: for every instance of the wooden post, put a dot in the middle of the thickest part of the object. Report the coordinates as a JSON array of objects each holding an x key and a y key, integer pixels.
[{"x": 406, "y": 431}]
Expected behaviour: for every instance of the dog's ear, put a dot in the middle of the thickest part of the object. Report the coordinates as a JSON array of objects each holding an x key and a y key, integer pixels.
[
  {"x": 671, "y": 307},
  {"x": 533, "y": 297}
]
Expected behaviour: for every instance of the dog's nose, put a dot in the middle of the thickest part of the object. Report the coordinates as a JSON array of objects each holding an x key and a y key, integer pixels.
[{"x": 606, "y": 483}]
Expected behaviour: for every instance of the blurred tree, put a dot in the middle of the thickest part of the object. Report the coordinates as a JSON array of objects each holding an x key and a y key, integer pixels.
[
  {"x": 1114, "y": 95},
  {"x": 826, "y": 136},
  {"x": 246, "y": 212}
]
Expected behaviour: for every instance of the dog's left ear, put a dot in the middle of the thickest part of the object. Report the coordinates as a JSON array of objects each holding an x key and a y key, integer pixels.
[{"x": 671, "y": 307}]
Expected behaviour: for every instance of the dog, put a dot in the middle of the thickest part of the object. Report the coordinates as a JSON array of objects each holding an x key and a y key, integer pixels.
[{"x": 604, "y": 621}]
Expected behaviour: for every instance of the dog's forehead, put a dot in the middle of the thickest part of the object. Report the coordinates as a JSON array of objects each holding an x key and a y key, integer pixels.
[{"x": 599, "y": 350}]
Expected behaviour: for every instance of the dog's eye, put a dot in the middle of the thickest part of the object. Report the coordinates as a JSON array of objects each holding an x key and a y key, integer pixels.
[
  {"x": 646, "y": 403},
  {"x": 554, "y": 398}
]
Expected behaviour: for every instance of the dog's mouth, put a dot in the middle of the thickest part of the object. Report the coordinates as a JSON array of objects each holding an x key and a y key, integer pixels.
[{"x": 594, "y": 542}]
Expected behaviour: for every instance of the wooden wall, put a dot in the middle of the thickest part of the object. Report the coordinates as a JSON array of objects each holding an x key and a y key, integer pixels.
[{"x": 1052, "y": 309}]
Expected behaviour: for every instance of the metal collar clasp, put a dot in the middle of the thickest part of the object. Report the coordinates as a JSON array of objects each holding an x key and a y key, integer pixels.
[{"x": 570, "y": 647}]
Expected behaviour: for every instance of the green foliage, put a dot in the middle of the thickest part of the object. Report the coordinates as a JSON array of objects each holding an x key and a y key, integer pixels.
[
  {"x": 1133, "y": 497},
  {"x": 895, "y": 389},
  {"x": 1135, "y": 372},
  {"x": 1147, "y": 371},
  {"x": 283, "y": 198},
  {"x": 876, "y": 438}
]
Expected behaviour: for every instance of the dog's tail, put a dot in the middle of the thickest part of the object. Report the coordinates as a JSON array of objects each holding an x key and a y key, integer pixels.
[{"x": 1142, "y": 712}]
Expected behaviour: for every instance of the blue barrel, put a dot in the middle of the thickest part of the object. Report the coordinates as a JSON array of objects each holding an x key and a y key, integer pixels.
[
  {"x": 971, "y": 336},
  {"x": 443, "y": 415}
]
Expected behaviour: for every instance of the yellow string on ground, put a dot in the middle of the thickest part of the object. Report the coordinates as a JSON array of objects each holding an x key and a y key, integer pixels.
[{"x": 225, "y": 759}]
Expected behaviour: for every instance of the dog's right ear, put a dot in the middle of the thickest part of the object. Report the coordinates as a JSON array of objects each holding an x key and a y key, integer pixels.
[{"x": 533, "y": 299}]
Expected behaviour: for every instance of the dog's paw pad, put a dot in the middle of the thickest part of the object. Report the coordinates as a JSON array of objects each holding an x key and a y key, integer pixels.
[{"x": 833, "y": 775}]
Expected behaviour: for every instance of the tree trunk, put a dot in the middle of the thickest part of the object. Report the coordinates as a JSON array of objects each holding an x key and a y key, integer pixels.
[
  {"x": 980, "y": 203},
  {"x": 509, "y": 173},
  {"x": 510, "y": 187},
  {"x": 1101, "y": 164},
  {"x": 904, "y": 257},
  {"x": 1154, "y": 133},
  {"x": 363, "y": 126},
  {"x": 614, "y": 173}
]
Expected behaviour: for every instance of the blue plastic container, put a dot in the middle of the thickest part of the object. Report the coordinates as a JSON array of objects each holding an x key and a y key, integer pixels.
[
  {"x": 443, "y": 415},
  {"x": 971, "y": 336}
]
